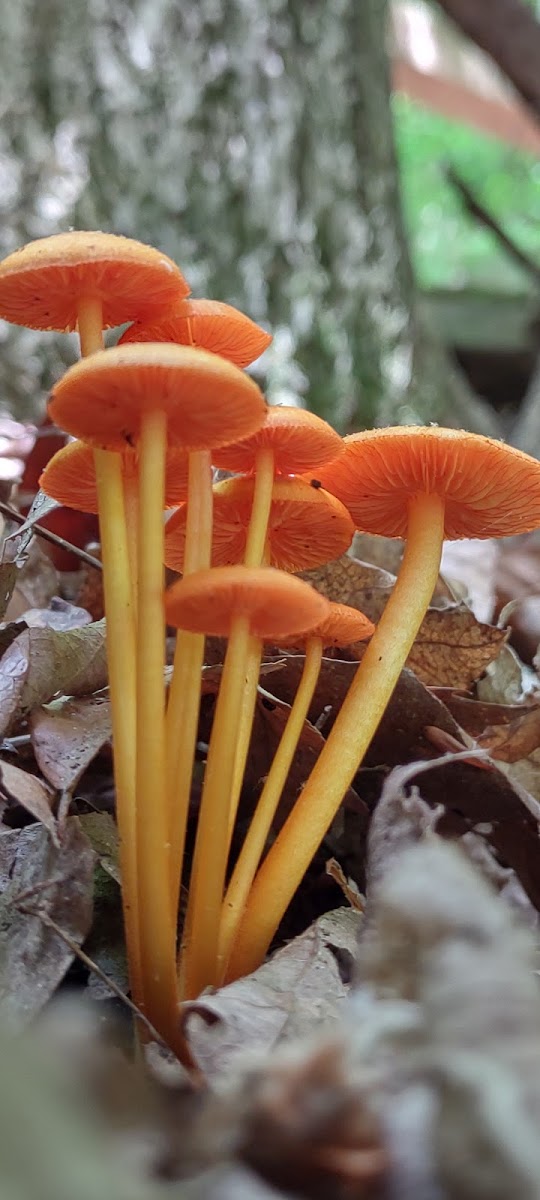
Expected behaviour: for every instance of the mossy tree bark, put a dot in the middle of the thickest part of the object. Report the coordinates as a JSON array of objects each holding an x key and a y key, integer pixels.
[{"x": 254, "y": 145}]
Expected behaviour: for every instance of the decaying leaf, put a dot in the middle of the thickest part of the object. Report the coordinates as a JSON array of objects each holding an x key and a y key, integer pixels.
[
  {"x": 470, "y": 566},
  {"x": 60, "y": 615},
  {"x": 102, "y": 833},
  {"x": 453, "y": 649},
  {"x": 19, "y": 787},
  {"x": 39, "y": 880},
  {"x": 67, "y": 735},
  {"x": 301, "y": 986},
  {"x": 35, "y": 584},
  {"x": 42, "y": 663}
]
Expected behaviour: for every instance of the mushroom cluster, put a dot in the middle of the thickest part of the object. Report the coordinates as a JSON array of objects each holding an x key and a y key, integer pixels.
[{"x": 152, "y": 417}]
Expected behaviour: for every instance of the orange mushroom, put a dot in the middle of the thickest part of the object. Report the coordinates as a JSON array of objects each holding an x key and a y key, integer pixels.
[
  {"x": 307, "y": 526},
  {"x": 240, "y": 603},
  {"x": 90, "y": 281},
  {"x": 210, "y": 324},
  {"x": 87, "y": 280},
  {"x": 144, "y": 396},
  {"x": 424, "y": 483},
  {"x": 341, "y": 626},
  {"x": 70, "y": 478},
  {"x": 289, "y": 442}
]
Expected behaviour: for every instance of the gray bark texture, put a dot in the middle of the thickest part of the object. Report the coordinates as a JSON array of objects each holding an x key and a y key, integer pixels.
[{"x": 253, "y": 143}]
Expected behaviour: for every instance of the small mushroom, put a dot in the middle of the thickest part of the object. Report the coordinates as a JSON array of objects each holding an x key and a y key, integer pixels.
[
  {"x": 210, "y": 324},
  {"x": 239, "y": 603},
  {"x": 289, "y": 442},
  {"x": 422, "y": 483},
  {"x": 70, "y": 478},
  {"x": 149, "y": 396}
]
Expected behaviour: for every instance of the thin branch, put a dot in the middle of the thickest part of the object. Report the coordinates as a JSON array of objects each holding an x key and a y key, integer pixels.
[
  {"x": 48, "y": 536},
  {"x": 481, "y": 214},
  {"x": 509, "y": 32}
]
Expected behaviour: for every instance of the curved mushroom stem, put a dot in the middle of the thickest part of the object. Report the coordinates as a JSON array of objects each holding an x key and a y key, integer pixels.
[
  {"x": 120, "y": 653},
  {"x": 254, "y": 843},
  {"x": 185, "y": 687},
  {"x": 355, "y": 725},
  {"x": 157, "y": 920},
  {"x": 199, "y": 965}
]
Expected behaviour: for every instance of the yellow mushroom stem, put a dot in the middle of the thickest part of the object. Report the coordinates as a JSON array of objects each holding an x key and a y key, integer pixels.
[
  {"x": 131, "y": 507},
  {"x": 157, "y": 919},
  {"x": 120, "y": 654},
  {"x": 260, "y": 508},
  {"x": 252, "y": 850},
  {"x": 244, "y": 728},
  {"x": 363, "y": 707},
  {"x": 199, "y": 963},
  {"x": 185, "y": 689}
]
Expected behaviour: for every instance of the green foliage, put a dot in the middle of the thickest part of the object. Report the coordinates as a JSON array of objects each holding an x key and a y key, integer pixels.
[{"x": 450, "y": 249}]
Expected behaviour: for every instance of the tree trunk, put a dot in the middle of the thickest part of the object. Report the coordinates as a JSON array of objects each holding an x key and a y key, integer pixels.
[{"x": 256, "y": 149}]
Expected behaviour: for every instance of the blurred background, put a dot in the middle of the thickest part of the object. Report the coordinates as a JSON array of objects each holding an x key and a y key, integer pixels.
[{"x": 362, "y": 178}]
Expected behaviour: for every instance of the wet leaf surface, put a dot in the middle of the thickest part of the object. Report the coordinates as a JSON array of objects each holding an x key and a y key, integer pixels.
[
  {"x": 38, "y": 882},
  {"x": 42, "y": 663},
  {"x": 67, "y": 735}
]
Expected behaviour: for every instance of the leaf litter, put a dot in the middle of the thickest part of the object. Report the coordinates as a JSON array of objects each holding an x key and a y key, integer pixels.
[{"x": 360, "y": 1056}]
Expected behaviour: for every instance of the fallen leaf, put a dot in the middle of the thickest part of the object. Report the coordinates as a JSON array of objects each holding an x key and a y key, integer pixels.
[
  {"x": 60, "y": 615},
  {"x": 469, "y": 566},
  {"x": 515, "y": 740},
  {"x": 67, "y": 735},
  {"x": 505, "y": 680},
  {"x": 451, "y": 649},
  {"x": 37, "y": 877},
  {"x": 298, "y": 988},
  {"x": 41, "y": 663},
  {"x": 102, "y": 833},
  {"x": 19, "y": 787},
  {"x": 35, "y": 584}
]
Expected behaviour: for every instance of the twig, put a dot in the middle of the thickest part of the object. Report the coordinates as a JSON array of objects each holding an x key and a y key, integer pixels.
[
  {"x": 48, "y": 536},
  {"x": 481, "y": 214},
  {"x": 93, "y": 967}
]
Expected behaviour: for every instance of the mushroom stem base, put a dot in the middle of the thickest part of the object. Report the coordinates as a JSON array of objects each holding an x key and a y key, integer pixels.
[{"x": 355, "y": 725}]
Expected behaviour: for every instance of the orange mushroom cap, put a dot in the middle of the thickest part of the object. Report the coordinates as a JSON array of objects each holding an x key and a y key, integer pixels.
[
  {"x": 70, "y": 475},
  {"x": 42, "y": 283},
  {"x": 275, "y": 603},
  {"x": 300, "y": 442},
  {"x": 342, "y": 626},
  {"x": 307, "y": 525},
  {"x": 489, "y": 489},
  {"x": 207, "y": 400},
  {"x": 210, "y": 324}
]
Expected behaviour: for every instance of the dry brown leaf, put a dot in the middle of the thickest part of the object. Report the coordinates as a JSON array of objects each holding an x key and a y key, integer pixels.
[
  {"x": 39, "y": 878},
  {"x": 300, "y": 987},
  {"x": 67, "y": 735},
  {"x": 453, "y": 649},
  {"x": 19, "y": 787},
  {"x": 42, "y": 663},
  {"x": 518, "y": 739},
  {"x": 102, "y": 833}
]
